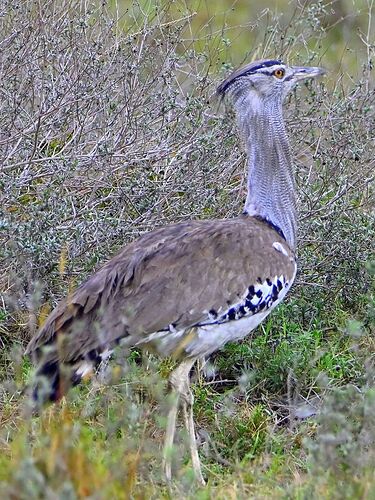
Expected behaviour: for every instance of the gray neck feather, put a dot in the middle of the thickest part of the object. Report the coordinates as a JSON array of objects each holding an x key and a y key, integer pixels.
[{"x": 271, "y": 190}]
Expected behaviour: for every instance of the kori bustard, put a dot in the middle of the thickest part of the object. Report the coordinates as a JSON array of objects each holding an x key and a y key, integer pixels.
[{"x": 186, "y": 289}]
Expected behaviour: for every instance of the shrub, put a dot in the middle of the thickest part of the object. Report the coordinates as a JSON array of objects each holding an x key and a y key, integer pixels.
[{"x": 109, "y": 128}]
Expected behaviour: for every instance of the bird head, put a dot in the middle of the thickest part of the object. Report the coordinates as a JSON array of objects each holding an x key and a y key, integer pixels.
[{"x": 266, "y": 80}]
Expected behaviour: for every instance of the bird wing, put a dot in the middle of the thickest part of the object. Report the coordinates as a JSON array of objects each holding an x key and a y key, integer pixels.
[{"x": 170, "y": 278}]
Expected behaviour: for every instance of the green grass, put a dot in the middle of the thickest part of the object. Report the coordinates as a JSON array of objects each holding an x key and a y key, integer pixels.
[{"x": 108, "y": 438}]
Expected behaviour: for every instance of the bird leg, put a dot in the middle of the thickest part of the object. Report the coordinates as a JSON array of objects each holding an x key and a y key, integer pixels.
[
  {"x": 169, "y": 436},
  {"x": 180, "y": 383},
  {"x": 187, "y": 408}
]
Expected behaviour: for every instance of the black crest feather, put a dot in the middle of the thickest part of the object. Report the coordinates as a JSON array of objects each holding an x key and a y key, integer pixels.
[{"x": 245, "y": 70}]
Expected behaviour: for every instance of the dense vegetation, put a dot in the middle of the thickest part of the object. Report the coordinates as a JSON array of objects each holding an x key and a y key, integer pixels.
[{"x": 110, "y": 127}]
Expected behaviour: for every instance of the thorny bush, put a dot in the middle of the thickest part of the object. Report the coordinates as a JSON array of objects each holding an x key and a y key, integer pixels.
[{"x": 110, "y": 127}]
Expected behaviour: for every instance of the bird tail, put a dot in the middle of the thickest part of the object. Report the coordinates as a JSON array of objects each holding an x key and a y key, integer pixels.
[
  {"x": 54, "y": 376},
  {"x": 67, "y": 348},
  {"x": 53, "y": 380}
]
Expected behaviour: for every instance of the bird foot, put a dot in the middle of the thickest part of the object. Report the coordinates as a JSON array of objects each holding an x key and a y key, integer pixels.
[{"x": 199, "y": 477}]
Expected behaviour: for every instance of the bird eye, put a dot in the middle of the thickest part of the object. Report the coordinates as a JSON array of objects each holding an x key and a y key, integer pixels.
[{"x": 279, "y": 73}]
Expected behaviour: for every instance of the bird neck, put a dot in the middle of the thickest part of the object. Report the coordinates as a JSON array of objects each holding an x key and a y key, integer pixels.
[{"x": 271, "y": 188}]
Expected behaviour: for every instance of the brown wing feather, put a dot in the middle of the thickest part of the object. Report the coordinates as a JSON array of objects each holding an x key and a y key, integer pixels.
[{"x": 173, "y": 275}]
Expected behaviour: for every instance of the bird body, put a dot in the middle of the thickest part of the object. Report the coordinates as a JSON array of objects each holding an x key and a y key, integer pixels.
[
  {"x": 187, "y": 289},
  {"x": 182, "y": 290}
]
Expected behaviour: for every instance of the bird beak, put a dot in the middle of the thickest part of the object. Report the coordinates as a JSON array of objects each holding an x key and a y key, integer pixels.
[{"x": 304, "y": 72}]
